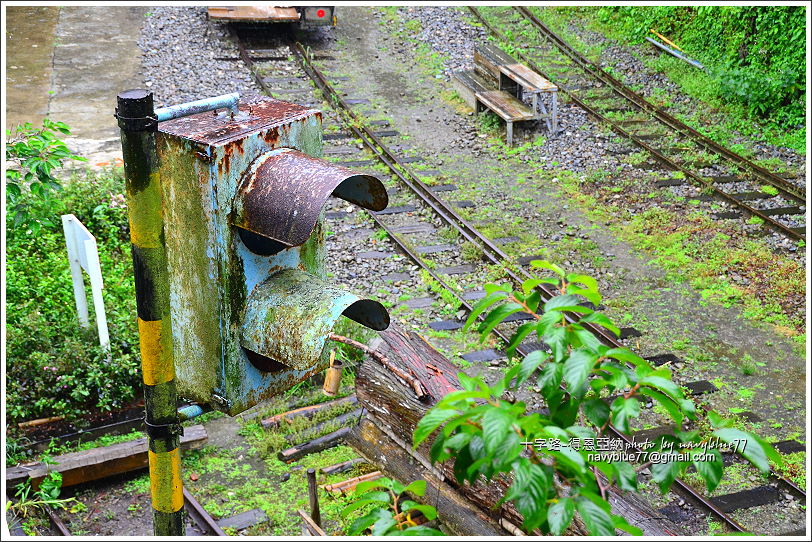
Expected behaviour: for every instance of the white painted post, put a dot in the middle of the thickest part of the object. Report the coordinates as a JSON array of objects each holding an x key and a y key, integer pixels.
[
  {"x": 83, "y": 253},
  {"x": 75, "y": 269}
]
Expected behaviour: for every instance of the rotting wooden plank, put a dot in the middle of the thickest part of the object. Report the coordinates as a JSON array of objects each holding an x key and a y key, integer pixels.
[
  {"x": 307, "y": 411},
  {"x": 310, "y": 525},
  {"x": 505, "y": 105},
  {"x": 97, "y": 463},
  {"x": 344, "y": 466},
  {"x": 316, "y": 445}
]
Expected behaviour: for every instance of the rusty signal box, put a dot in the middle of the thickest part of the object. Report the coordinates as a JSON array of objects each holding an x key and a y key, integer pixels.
[{"x": 243, "y": 199}]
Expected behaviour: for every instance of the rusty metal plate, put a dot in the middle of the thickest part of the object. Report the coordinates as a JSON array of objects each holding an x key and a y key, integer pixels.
[
  {"x": 258, "y": 115},
  {"x": 282, "y": 194},
  {"x": 289, "y": 316}
]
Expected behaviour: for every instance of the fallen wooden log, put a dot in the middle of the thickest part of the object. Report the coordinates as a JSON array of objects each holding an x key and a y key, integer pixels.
[
  {"x": 309, "y": 526},
  {"x": 349, "y": 484},
  {"x": 393, "y": 410},
  {"x": 97, "y": 463},
  {"x": 348, "y": 418},
  {"x": 457, "y": 513},
  {"x": 344, "y": 466},
  {"x": 316, "y": 445},
  {"x": 307, "y": 412},
  {"x": 40, "y": 421}
]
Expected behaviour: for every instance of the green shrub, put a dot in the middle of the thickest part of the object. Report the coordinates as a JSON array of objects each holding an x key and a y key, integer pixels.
[{"x": 55, "y": 367}]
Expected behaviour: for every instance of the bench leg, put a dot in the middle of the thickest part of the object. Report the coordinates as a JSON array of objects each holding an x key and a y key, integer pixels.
[
  {"x": 510, "y": 133},
  {"x": 554, "y": 113}
]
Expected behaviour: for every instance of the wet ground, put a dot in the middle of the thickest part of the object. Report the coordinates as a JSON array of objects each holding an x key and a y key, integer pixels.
[{"x": 69, "y": 63}]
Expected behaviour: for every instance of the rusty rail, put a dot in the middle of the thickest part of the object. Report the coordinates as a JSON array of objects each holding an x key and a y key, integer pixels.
[
  {"x": 200, "y": 516},
  {"x": 661, "y": 115},
  {"x": 785, "y": 188}
]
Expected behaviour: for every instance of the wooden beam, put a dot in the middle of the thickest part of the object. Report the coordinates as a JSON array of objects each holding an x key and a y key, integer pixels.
[
  {"x": 307, "y": 412},
  {"x": 309, "y": 526},
  {"x": 316, "y": 445},
  {"x": 97, "y": 463},
  {"x": 346, "y": 485},
  {"x": 344, "y": 466},
  {"x": 457, "y": 513}
]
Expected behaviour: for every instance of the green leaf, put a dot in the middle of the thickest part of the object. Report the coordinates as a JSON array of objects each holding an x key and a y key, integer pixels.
[
  {"x": 383, "y": 524},
  {"x": 530, "y": 363},
  {"x": 625, "y": 476},
  {"x": 620, "y": 523},
  {"x": 431, "y": 421},
  {"x": 550, "y": 378},
  {"x": 363, "y": 523},
  {"x": 523, "y": 331},
  {"x": 482, "y": 305},
  {"x": 496, "y": 316},
  {"x": 623, "y": 410},
  {"x": 577, "y": 368},
  {"x": 560, "y": 514},
  {"x": 529, "y": 492},
  {"x": 427, "y": 510},
  {"x": 418, "y": 487},
  {"x": 369, "y": 497},
  {"x": 665, "y": 473},
  {"x": 624, "y": 354},
  {"x": 601, "y": 320},
  {"x": 495, "y": 426},
  {"x": 544, "y": 264},
  {"x": 663, "y": 384},
  {"x": 596, "y": 520},
  {"x": 749, "y": 446},
  {"x": 710, "y": 471},
  {"x": 596, "y": 411},
  {"x": 565, "y": 303},
  {"x": 673, "y": 410}
]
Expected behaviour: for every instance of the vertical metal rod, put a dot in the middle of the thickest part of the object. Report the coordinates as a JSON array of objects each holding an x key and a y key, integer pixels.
[
  {"x": 313, "y": 493},
  {"x": 138, "y": 123}
]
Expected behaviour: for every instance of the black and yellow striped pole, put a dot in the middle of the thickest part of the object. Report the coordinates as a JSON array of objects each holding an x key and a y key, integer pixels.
[{"x": 139, "y": 124}]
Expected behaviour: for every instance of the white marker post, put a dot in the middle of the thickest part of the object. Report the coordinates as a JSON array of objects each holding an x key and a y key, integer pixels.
[{"x": 83, "y": 254}]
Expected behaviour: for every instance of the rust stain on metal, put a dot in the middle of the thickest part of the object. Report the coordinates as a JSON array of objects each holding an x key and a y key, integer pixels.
[
  {"x": 218, "y": 129},
  {"x": 282, "y": 195}
]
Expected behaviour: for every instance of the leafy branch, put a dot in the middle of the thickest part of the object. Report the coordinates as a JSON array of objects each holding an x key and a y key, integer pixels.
[
  {"x": 586, "y": 387},
  {"x": 389, "y": 512},
  {"x": 32, "y": 155}
]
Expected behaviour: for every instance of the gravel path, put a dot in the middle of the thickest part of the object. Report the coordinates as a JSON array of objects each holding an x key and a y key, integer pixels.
[{"x": 180, "y": 50}]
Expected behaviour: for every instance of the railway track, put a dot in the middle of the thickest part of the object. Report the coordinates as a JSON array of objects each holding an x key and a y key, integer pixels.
[
  {"x": 406, "y": 234},
  {"x": 721, "y": 173}
]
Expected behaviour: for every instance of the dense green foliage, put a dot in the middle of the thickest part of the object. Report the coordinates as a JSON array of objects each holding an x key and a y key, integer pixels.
[
  {"x": 388, "y": 510},
  {"x": 756, "y": 54},
  {"x": 32, "y": 156},
  {"x": 55, "y": 367},
  {"x": 585, "y": 387}
]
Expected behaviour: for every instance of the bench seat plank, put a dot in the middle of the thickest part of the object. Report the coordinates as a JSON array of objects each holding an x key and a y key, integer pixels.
[
  {"x": 527, "y": 78},
  {"x": 505, "y": 105}
]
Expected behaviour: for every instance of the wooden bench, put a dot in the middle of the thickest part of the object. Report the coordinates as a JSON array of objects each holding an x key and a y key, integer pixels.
[
  {"x": 506, "y": 107},
  {"x": 498, "y": 83}
]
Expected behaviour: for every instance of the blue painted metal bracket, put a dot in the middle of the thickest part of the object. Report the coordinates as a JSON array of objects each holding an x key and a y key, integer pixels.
[{"x": 230, "y": 101}]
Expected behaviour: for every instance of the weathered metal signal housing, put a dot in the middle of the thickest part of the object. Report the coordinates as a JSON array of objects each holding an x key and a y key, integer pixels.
[{"x": 243, "y": 212}]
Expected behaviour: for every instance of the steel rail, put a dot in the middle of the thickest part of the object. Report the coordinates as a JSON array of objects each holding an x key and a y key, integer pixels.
[
  {"x": 56, "y": 521},
  {"x": 200, "y": 516},
  {"x": 768, "y": 220},
  {"x": 664, "y": 117},
  {"x": 388, "y": 158}
]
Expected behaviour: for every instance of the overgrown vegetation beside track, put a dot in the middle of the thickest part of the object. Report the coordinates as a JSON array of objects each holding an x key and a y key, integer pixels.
[
  {"x": 54, "y": 366},
  {"x": 755, "y": 58}
]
